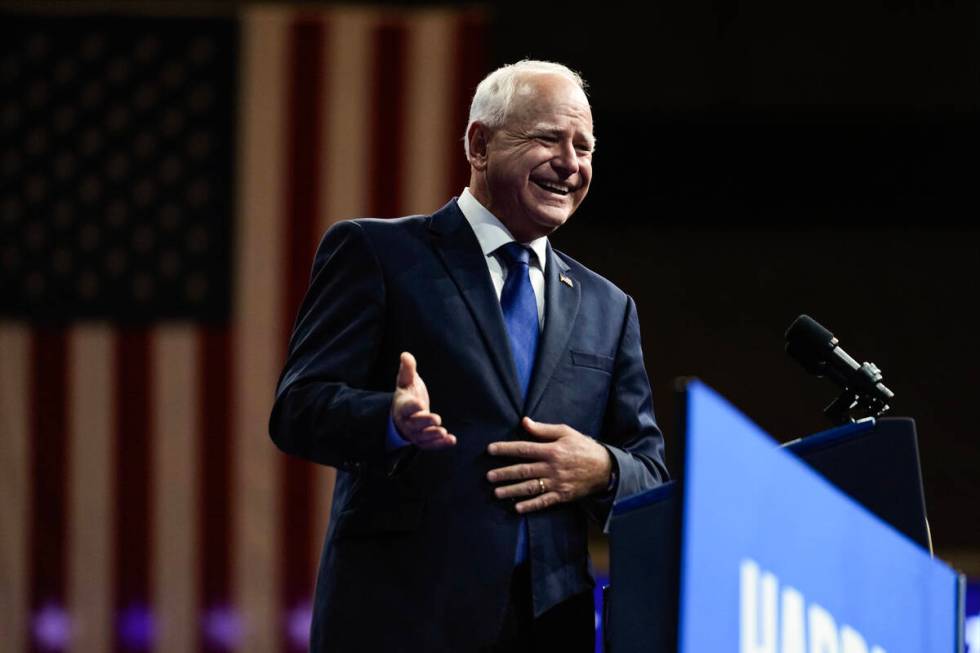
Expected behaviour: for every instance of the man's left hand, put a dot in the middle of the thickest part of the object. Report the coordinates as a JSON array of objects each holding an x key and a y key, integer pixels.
[{"x": 566, "y": 466}]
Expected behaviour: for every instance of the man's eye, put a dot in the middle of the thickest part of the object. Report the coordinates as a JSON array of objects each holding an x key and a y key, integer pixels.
[{"x": 547, "y": 138}]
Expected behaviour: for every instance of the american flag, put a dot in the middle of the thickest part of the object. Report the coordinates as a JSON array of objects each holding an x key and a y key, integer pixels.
[{"x": 165, "y": 181}]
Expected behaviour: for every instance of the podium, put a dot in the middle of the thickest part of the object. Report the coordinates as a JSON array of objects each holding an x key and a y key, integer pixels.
[{"x": 819, "y": 546}]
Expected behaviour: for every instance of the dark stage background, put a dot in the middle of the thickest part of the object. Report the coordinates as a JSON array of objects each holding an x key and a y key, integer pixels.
[{"x": 758, "y": 161}]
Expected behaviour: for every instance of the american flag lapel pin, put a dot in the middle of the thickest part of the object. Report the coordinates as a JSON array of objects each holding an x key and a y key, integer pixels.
[{"x": 566, "y": 280}]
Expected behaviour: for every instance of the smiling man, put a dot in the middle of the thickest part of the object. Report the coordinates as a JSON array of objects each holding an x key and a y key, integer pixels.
[
  {"x": 531, "y": 168},
  {"x": 520, "y": 405}
]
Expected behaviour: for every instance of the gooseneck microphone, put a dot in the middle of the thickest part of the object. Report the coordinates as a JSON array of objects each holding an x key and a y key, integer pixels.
[{"x": 816, "y": 349}]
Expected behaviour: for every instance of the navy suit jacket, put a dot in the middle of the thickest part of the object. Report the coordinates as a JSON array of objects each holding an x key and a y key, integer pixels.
[{"x": 420, "y": 557}]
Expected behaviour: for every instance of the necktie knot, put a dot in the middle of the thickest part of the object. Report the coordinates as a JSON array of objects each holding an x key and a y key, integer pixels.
[{"x": 515, "y": 254}]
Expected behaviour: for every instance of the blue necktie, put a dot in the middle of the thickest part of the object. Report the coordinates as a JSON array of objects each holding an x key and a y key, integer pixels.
[{"x": 520, "y": 309}]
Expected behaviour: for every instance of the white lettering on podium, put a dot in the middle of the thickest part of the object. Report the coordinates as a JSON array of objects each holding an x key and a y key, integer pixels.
[
  {"x": 791, "y": 633},
  {"x": 972, "y": 628},
  {"x": 766, "y": 611},
  {"x": 852, "y": 642},
  {"x": 823, "y": 630},
  {"x": 758, "y": 610}
]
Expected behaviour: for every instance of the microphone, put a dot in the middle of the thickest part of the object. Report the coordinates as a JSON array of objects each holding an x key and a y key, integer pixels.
[{"x": 817, "y": 350}]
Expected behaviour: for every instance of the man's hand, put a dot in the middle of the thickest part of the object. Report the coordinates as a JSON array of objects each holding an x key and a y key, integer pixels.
[
  {"x": 567, "y": 466},
  {"x": 410, "y": 409}
]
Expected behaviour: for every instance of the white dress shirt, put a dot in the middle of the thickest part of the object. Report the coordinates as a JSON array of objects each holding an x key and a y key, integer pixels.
[{"x": 492, "y": 235}]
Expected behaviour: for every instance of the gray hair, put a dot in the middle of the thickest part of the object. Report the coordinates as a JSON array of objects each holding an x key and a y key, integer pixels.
[{"x": 494, "y": 96}]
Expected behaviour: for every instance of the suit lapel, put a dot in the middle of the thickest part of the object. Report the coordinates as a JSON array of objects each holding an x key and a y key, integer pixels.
[
  {"x": 562, "y": 295},
  {"x": 460, "y": 252}
]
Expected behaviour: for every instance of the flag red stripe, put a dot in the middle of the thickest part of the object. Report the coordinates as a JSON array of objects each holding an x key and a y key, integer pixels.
[
  {"x": 387, "y": 125},
  {"x": 133, "y": 469},
  {"x": 214, "y": 515},
  {"x": 305, "y": 72},
  {"x": 304, "y": 138},
  {"x": 470, "y": 68},
  {"x": 49, "y": 466}
]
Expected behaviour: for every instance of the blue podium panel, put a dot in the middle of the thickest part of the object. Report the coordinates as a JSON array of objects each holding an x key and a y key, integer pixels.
[{"x": 775, "y": 559}]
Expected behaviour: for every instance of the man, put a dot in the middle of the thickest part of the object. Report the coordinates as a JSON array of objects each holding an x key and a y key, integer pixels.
[{"x": 520, "y": 403}]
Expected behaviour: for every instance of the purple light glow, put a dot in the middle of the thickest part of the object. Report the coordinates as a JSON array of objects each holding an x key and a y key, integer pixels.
[
  {"x": 298, "y": 622},
  {"x": 972, "y": 623},
  {"x": 222, "y": 627},
  {"x": 52, "y": 628},
  {"x": 136, "y": 627}
]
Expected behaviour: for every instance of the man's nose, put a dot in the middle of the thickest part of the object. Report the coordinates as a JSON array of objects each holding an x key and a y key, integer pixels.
[{"x": 566, "y": 159}]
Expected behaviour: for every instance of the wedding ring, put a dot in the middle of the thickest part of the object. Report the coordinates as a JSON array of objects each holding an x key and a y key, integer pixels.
[{"x": 541, "y": 486}]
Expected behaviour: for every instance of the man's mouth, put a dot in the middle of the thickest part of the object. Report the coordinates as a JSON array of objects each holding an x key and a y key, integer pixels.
[{"x": 555, "y": 187}]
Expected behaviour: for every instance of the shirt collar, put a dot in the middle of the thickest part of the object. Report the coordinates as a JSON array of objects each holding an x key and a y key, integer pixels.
[{"x": 491, "y": 232}]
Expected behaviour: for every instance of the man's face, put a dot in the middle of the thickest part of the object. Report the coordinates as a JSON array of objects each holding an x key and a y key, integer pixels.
[{"x": 538, "y": 165}]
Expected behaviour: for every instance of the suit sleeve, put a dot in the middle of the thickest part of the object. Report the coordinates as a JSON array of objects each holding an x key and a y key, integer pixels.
[
  {"x": 321, "y": 412},
  {"x": 630, "y": 432}
]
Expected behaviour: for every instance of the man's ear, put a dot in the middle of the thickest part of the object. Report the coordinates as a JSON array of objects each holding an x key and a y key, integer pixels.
[{"x": 478, "y": 137}]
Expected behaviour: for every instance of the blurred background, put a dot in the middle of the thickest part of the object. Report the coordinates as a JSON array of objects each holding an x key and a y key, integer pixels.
[{"x": 167, "y": 168}]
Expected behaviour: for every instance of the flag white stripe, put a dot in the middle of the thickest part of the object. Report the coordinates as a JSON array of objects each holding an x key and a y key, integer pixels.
[
  {"x": 258, "y": 337},
  {"x": 15, "y": 492},
  {"x": 175, "y": 351},
  {"x": 428, "y": 71},
  {"x": 348, "y": 109},
  {"x": 91, "y": 355},
  {"x": 343, "y": 180}
]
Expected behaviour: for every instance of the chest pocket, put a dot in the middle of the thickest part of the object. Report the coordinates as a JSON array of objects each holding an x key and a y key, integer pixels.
[{"x": 593, "y": 361}]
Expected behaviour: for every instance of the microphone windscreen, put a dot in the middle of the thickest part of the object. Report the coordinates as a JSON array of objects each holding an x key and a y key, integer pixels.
[{"x": 809, "y": 343}]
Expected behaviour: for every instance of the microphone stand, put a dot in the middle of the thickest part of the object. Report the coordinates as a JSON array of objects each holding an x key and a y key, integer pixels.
[{"x": 852, "y": 404}]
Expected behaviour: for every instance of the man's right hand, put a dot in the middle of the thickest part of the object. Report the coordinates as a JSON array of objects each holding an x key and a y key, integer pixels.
[{"x": 410, "y": 409}]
